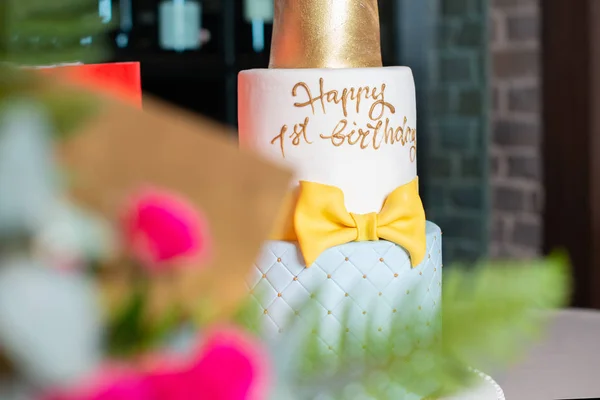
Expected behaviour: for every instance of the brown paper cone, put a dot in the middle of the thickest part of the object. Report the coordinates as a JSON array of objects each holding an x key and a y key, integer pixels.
[{"x": 124, "y": 148}]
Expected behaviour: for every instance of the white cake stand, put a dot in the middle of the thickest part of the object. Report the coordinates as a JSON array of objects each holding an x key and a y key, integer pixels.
[{"x": 487, "y": 390}]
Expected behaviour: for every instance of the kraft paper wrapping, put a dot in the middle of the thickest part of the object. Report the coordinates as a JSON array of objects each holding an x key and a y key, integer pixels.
[{"x": 124, "y": 148}]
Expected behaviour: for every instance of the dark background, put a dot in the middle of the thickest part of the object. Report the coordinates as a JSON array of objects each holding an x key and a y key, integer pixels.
[{"x": 185, "y": 78}]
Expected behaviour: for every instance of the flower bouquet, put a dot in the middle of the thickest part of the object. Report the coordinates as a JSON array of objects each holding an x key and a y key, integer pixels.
[
  {"x": 121, "y": 275},
  {"x": 95, "y": 305}
]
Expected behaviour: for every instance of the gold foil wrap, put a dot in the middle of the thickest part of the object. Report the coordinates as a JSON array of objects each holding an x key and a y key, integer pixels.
[{"x": 326, "y": 34}]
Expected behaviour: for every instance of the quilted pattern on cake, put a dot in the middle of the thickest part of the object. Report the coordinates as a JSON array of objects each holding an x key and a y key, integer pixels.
[{"x": 373, "y": 279}]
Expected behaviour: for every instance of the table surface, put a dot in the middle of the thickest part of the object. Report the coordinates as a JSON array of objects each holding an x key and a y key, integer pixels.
[{"x": 565, "y": 365}]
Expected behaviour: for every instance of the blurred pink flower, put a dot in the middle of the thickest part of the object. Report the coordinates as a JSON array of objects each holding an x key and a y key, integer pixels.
[
  {"x": 161, "y": 228},
  {"x": 229, "y": 365}
]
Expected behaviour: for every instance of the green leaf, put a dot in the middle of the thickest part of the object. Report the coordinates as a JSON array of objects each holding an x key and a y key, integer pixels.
[
  {"x": 34, "y": 32},
  {"x": 68, "y": 109},
  {"x": 41, "y": 32},
  {"x": 126, "y": 332},
  {"x": 248, "y": 316},
  {"x": 56, "y": 55},
  {"x": 60, "y": 27},
  {"x": 490, "y": 314},
  {"x": 23, "y": 9},
  {"x": 502, "y": 306},
  {"x": 163, "y": 328}
]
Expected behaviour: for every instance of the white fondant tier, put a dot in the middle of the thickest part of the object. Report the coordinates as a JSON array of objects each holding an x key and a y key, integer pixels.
[
  {"x": 373, "y": 280},
  {"x": 350, "y": 128}
]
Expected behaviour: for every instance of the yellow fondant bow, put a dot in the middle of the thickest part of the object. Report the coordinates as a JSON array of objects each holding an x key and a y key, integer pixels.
[{"x": 321, "y": 221}]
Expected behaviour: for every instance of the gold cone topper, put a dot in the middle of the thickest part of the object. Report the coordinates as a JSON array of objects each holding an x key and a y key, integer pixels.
[{"x": 326, "y": 34}]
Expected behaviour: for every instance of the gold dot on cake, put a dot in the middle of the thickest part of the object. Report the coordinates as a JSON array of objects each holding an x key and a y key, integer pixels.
[
  {"x": 379, "y": 329},
  {"x": 420, "y": 272},
  {"x": 364, "y": 277},
  {"x": 435, "y": 270},
  {"x": 346, "y": 259},
  {"x": 408, "y": 292},
  {"x": 364, "y": 313},
  {"x": 296, "y": 312},
  {"x": 381, "y": 259},
  {"x": 295, "y": 278},
  {"x": 346, "y": 295},
  {"x": 266, "y": 312},
  {"x": 394, "y": 310},
  {"x": 419, "y": 308},
  {"x": 330, "y": 348},
  {"x": 264, "y": 276},
  {"x": 328, "y": 276},
  {"x": 329, "y": 312},
  {"x": 278, "y": 294},
  {"x": 312, "y": 296},
  {"x": 395, "y": 275},
  {"x": 279, "y": 260},
  {"x": 380, "y": 294}
]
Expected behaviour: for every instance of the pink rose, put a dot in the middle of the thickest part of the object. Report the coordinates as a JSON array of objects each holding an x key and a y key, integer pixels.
[
  {"x": 229, "y": 365},
  {"x": 162, "y": 229}
]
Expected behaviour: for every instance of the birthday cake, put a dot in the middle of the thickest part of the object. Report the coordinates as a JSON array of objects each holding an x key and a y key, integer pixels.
[{"x": 353, "y": 234}]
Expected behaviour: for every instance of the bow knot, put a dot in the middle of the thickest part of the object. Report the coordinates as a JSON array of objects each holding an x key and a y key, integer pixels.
[
  {"x": 321, "y": 221},
  {"x": 366, "y": 226}
]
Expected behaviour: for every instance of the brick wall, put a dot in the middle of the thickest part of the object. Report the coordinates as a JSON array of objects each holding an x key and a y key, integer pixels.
[
  {"x": 516, "y": 190},
  {"x": 456, "y": 122}
]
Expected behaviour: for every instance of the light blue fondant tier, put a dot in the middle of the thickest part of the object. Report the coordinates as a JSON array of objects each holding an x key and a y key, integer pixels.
[{"x": 373, "y": 279}]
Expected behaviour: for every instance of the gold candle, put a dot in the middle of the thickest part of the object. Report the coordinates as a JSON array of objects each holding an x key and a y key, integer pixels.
[{"x": 326, "y": 34}]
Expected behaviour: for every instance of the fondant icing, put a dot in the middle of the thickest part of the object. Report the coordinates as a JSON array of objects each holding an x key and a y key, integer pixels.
[
  {"x": 374, "y": 279},
  {"x": 350, "y": 128}
]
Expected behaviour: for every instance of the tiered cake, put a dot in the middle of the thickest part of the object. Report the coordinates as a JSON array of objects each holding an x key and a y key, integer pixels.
[{"x": 353, "y": 235}]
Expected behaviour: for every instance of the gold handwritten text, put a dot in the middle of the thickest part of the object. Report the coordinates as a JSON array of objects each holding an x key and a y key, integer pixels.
[
  {"x": 343, "y": 98},
  {"x": 374, "y": 136},
  {"x": 377, "y": 131},
  {"x": 298, "y": 136}
]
